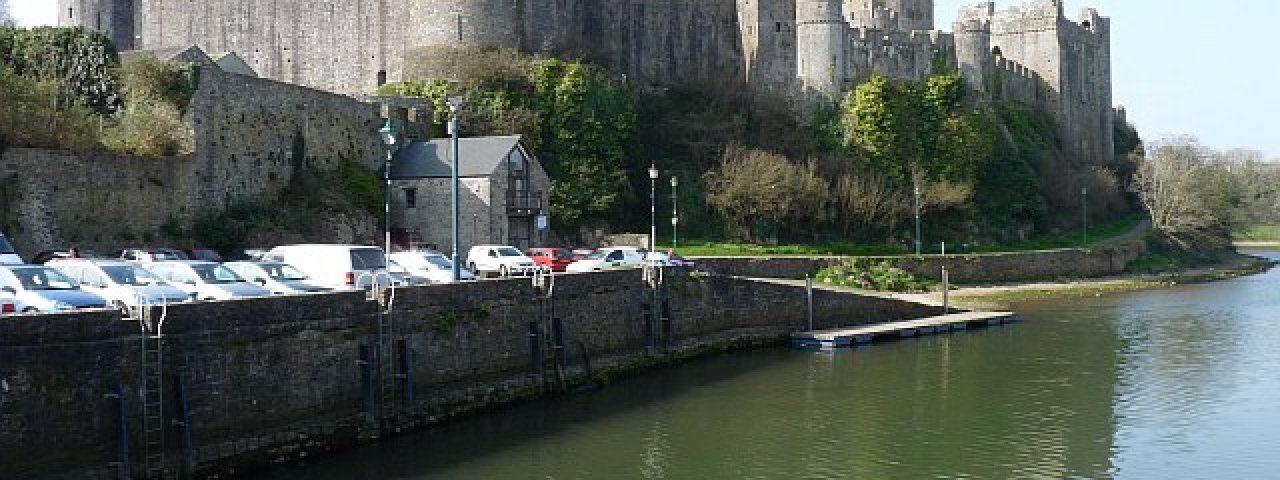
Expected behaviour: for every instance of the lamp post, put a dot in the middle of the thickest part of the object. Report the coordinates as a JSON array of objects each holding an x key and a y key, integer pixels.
[
  {"x": 1084, "y": 214},
  {"x": 653, "y": 207},
  {"x": 454, "y": 104},
  {"x": 388, "y": 134},
  {"x": 675, "y": 217},
  {"x": 917, "y": 209}
]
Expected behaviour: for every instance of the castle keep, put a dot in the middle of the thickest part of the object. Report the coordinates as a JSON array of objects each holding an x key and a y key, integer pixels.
[{"x": 1032, "y": 54}]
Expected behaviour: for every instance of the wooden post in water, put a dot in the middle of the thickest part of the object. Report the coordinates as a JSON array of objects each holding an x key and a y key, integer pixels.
[
  {"x": 946, "y": 292},
  {"x": 808, "y": 288}
]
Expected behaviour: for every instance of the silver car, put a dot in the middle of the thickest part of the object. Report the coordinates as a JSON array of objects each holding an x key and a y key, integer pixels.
[
  {"x": 37, "y": 288},
  {"x": 206, "y": 280},
  {"x": 280, "y": 278},
  {"x": 122, "y": 284}
]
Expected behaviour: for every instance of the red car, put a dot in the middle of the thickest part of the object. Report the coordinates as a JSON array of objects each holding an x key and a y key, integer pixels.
[{"x": 554, "y": 258}]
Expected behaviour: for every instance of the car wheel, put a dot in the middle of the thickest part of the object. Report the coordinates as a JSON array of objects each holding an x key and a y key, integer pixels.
[{"x": 502, "y": 271}]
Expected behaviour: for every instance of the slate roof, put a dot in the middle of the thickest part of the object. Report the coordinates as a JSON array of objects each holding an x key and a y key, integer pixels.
[{"x": 431, "y": 159}]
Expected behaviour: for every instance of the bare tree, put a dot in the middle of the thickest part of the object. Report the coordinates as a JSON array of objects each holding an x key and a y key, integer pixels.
[
  {"x": 1187, "y": 193},
  {"x": 754, "y": 188},
  {"x": 6, "y": 15}
]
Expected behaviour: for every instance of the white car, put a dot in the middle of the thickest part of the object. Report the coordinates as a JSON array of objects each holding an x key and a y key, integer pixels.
[
  {"x": 37, "y": 288},
  {"x": 280, "y": 278},
  {"x": 501, "y": 259},
  {"x": 122, "y": 284},
  {"x": 431, "y": 266},
  {"x": 335, "y": 266},
  {"x": 609, "y": 258},
  {"x": 206, "y": 280},
  {"x": 7, "y": 255}
]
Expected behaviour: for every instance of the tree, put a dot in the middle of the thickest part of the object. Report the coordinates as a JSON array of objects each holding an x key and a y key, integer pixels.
[
  {"x": 1188, "y": 194},
  {"x": 757, "y": 191},
  {"x": 6, "y": 17}
]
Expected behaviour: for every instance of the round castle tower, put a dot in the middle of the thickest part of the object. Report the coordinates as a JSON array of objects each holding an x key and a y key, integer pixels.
[
  {"x": 465, "y": 23},
  {"x": 899, "y": 15},
  {"x": 114, "y": 18},
  {"x": 820, "y": 39}
]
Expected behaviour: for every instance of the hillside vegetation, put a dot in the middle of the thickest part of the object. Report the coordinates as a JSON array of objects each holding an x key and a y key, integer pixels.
[{"x": 755, "y": 167}]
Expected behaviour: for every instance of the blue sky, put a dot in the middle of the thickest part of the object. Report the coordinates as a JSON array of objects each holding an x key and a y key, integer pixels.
[{"x": 1180, "y": 66}]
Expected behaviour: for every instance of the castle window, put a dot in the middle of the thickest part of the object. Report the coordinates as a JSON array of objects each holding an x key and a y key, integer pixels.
[
  {"x": 410, "y": 198},
  {"x": 71, "y": 12},
  {"x": 1087, "y": 25},
  {"x": 996, "y": 51},
  {"x": 778, "y": 27},
  {"x": 382, "y": 77}
]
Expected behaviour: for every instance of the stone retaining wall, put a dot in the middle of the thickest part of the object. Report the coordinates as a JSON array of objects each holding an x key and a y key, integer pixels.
[
  {"x": 270, "y": 380},
  {"x": 969, "y": 268}
]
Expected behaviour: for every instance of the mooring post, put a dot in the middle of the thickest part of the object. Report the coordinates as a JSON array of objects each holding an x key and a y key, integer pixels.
[
  {"x": 946, "y": 292},
  {"x": 808, "y": 289}
]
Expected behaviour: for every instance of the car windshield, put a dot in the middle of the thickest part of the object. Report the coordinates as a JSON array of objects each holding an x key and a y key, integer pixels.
[
  {"x": 214, "y": 273},
  {"x": 509, "y": 252},
  {"x": 5, "y": 247},
  {"x": 168, "y": 255},
  {"x": 367, "y": 258},
  {"x": 130, "y": 275},
  {"x": 41, "y": 278},
  {"x": 283, "y": 271},
  {"x": 439, "y": 261}
]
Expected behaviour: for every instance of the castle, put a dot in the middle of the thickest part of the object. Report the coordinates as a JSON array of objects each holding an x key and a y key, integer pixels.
[{"x": 1031, "y": 54}]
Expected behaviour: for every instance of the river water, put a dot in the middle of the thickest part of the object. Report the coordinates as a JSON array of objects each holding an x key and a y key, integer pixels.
[{"x": 1182, "y": 382}]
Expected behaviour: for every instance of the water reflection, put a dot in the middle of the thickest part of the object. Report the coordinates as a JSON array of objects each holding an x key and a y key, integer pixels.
[{"x": 1173, "y": 383}]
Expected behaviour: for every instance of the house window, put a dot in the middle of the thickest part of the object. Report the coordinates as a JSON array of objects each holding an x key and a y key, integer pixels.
[{"x": 410, "y": 198}]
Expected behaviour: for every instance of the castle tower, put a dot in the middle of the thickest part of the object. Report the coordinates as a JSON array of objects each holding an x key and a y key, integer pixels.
[
  {"x": 114, "y": 18},
  {"x": 466, "y": 23},
  {"x": 820, "y": 40},
  {"x": 898, "y": 15},
  {"x": 973, "y": 43}
]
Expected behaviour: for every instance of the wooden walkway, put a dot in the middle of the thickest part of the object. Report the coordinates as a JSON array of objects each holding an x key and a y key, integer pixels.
[{"x": 844, "y": 337}]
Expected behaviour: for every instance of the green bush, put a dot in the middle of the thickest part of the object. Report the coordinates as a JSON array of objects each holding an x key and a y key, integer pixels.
[
  {"x": 149, "y": 128},
  {"x": 880, "y": 276},
  {"x": 34, "y": 113},
  {"x": 360, "y": 186}
]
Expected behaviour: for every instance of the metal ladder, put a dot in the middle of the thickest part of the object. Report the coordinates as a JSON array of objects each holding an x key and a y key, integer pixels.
[
  {"x": 153, "y": 421},
  {"x": 551, "y": 346},
  {"x": 383, "y": 357}
]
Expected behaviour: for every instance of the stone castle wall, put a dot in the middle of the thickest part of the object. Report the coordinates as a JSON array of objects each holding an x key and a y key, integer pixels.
[
  {"x": 276, "y": 379},
  {"x": 246, "y": 131}
]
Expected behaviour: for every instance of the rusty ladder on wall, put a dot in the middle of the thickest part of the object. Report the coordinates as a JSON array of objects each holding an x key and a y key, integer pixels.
[
  {"x": 553, "y": 354},
  {"x": 384, "y": 353},
  {"x": 153, "y": 420}
]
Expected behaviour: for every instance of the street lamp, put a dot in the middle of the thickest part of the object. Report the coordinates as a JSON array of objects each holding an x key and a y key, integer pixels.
[
  {"x": 917, "y": 208},
  {"x": 388, "y": 134},
  {"x": 675, "y": 217},
  {"x": 454, "y": 104},
  {"x": 653, "y": 208}
]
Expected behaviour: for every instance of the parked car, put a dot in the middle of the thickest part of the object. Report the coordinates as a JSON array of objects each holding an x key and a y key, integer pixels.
[
  {"x": 429, "y": 265},
  {"x": 280, "y": 278},
  {"x": 37, "y": 288},
  {"x": 46, "y": 255},
  {"x": 148, "y": 255},
  {"x": 669, "y": 259},
  {"x": 581, "y": 253},
  {"x": 555, "y": 259},
  {"x": 206, "y": 280},
  {"x": 7, "y": 303},
  {"x": 205, "y": 254},
  {"x": 501, "y": 259},
  {"x": 7, "y": 255},
  {"x": 335, "y": 266},
  {"x": 122, "y": 284},
  {"x": 609, "y": 258}
]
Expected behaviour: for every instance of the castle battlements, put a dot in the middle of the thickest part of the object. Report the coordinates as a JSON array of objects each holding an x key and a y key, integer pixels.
[{"x": 805, "y": 48}]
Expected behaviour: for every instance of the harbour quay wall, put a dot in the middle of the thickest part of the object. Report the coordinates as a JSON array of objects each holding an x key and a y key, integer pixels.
[
  {"x": 249, "y": 383},
  {"x": 963, "y": 268}
]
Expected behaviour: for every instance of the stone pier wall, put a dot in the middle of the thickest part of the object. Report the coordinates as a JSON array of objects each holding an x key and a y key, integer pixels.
[{"x": 270, "y": 380}]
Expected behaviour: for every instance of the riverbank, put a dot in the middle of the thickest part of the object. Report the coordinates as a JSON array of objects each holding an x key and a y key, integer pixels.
[{"x": 1001, "y": 296}]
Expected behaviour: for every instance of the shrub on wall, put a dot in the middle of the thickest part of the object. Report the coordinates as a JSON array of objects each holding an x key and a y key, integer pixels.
[
  {"x": 78, "y": 59},
  {"x": 149, "y": 128},
  {"x": 34, "y": 113}
]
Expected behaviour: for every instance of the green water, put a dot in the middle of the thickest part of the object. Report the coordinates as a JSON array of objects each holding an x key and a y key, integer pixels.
[{"x": 1172, "y": 383}]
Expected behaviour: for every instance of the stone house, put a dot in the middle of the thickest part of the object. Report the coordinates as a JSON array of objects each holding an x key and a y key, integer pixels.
[{"x": 503, "y": 194}]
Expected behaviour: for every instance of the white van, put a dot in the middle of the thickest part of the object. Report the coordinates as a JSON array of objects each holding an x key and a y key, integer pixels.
[
  {"x": 7, "y": 255},
  {"x": 334, "y": 266}
]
